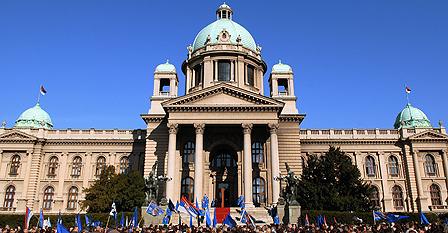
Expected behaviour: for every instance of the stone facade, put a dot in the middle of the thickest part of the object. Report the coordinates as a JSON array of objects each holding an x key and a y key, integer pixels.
[{"x": 224, "y": 136}]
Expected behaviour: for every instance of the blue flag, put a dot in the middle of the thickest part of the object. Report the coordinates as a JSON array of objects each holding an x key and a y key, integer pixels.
[
  {"x": 395, "y": 217},
  {"x": 79, "y": 223},
  {"x": 61, "y": 229},
  {"x": 88, "y": 221},
  {"x": 153, "y": 209},
  {"x": 423, "y": 219},
  {"x": 135, "y": 217},
  {"x": 215, "y": 221},
  {"x": 166, "y": 219},
  {"x": 377, "y": 216},
  {"x": 228, "y": 221},
  {"x": 191, "y": 221},
  {"x": 240, "y": 202},
  {"x": 205, "y": 202},
  {"x": 200, "y": 212},
  {"x": 41, "y": 219},
  {"x": 122, "y": 220}
]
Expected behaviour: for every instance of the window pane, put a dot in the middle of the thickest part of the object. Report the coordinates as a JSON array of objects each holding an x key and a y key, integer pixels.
[
  {"x": 223, "y": 71},
  {"x": 250, "y": 75},
  {"x": 197, "y": 75}
]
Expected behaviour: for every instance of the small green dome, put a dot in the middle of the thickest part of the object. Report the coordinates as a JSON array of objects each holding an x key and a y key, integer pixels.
[
  {"x": 214, "y": 29},
  {"x": 411, "y": 117},
  {"x": 281, "y": 68},
  {"x": 166, "y": 67},
  {"x": 34, "y": 117}
]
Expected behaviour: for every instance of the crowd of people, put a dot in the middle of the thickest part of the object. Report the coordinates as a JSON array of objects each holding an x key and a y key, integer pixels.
[{"x": 409, "y": 227}]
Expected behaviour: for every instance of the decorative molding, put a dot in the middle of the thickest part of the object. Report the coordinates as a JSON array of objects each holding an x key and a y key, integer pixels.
[
  {"x": 199, "y": 128},
  {"x": 172, "y": 128},
  {"x": 273, "y": 128},
  {"x": 17, "y": 136},
  {"x": 247, "y": 128}
]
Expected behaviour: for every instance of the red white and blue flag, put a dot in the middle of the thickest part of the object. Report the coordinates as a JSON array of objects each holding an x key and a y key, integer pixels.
[
  {"x": 187, "y": 207},
  {"x": 307, "y": 221},
  {"x": 247, "y": 218},
  {"x": 42, "y": 90},
  {"x": 28, "y": 216},
  {"x": 408, "y": 90}
]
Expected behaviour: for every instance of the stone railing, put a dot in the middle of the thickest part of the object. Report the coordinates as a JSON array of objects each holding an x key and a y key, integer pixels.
[{"x": 349, "y": 134}]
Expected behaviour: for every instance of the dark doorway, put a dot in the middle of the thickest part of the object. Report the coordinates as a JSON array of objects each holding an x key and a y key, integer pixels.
[{"x": 223, "y": 164}]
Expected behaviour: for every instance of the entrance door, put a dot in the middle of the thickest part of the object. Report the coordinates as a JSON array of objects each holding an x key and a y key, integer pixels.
[{"x": 223, "y": 163}]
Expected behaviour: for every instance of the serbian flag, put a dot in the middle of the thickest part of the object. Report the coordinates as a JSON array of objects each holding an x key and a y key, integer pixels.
[
  {"x": 189, "y": 207},
  {"x": 42, "y": 90},
  {"x": 28, "y": 216},
  {"x": 307, "y": 221},
  {"x": 408, "y": 90}
]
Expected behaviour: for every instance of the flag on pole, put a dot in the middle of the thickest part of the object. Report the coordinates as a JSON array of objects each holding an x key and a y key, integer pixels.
[
  {"x": 307, "y": 221},
  {"x": 78, "y": 222},
  {"x": 135, "y": 217},
  {"x": 28, "y": 216},
  {"x": 215, "y": 221},
  {"x": 228, "y": 221},
  {"x": 167, "y": 218},
  {"x": 240, "y": 202},
  {"x": 423, "y": 219},
  {"x": 88, "y": 220},
  {"x": 408, "y": 90},
  {"x": 122, "y": 220},
  {"x": 42, "y": 90},
  {"x": 41, "y": 219},
  {"x": 377, "y": 216},
  {"x": 191, "y": 221},
  {"x": 153, "y": 209},
  {"x": 61, "y": 229}
]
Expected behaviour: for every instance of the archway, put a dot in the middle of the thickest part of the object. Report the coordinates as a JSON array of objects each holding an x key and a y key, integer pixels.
[{"x": 223, "y": 164}]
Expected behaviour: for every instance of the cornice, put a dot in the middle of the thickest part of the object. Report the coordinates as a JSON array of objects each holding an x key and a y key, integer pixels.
[
  {"x": 349, "y": 141},
  {"x": 214, "y": 108},
  {"x": 298, "y": 118}
]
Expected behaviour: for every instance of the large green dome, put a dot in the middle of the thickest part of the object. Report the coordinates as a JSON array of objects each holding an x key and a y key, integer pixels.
[
  {"x": 411, "y": 117},
  {"x": 224, "y": 23},
  {"x": 34, "y": 117}
]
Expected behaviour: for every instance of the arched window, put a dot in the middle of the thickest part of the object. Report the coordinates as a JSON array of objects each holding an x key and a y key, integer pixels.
[
  {"x": 188, "y": 153},
  {"x": 257, "y": 152},
  {"x": 435, "y": 195},
  {"x": 430, "y": 165},
  {"x": 100, "y": 165},
  {"x": 375, "y": 197},
  {"x": 223, "y": 159},
  {"x": 187, "y": 188},
  {"x": 124, "y": 165},
  {"x": 370, "y": 166},
  {"x": 397, "y": 197},
  {"x": 258, "y": 191},
  {"x": 52, "y": 166},
  {"x": 9, "y": 196},
  {"x": 72, "y": 200},
  {"x": 48, "y": 198},
  {"x": 393, "y": 165},
  {"x": 76, "y": 166},
  {"x": 15, "y": 165}
]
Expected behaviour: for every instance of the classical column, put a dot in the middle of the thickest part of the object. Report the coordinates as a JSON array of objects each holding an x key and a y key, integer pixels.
[
  {"x": 247, "y": 160},
  {"x": 275, "y": 163},
  {"x": 418, "y": 179},
  {"x": 171, "y": 163},
  {"x": 445, "y": 168},
  {"x": 199, "y": 161}
]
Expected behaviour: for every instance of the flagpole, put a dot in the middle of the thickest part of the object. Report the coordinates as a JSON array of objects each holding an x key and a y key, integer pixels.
[
  {"x": 38, "y": 97},
  {"x": 108, "y": 218}
]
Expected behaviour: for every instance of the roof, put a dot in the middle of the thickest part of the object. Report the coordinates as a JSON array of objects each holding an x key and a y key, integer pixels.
[
  {"x": 412, "y": 117},
  {"x": 34, "y": 117}
]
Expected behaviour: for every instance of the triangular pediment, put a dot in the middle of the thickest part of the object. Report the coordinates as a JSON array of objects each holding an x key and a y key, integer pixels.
[
  {"x": 16, "y": 135},
  {"x": 223, "y": 95},
  {"x": 429, "y": 134}
]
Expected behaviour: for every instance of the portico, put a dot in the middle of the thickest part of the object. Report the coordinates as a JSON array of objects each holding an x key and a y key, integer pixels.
[{"x": 222, "y": 136}]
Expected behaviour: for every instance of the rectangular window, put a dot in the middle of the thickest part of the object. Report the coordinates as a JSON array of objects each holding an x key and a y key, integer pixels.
[
  {"x": 250, "y": 75},
  {"x": 224, "y": 71},
  {"x": 198, "y": 71}
]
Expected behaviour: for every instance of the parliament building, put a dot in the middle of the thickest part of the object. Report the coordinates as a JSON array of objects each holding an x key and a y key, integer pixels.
[{"x": 225, "y": 133}]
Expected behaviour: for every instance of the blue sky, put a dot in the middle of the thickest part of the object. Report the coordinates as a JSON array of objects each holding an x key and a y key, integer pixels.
[{"x": 96, "y": 58}]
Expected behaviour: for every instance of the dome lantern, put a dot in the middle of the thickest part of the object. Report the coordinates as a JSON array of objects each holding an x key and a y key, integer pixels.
[{"x": 224, "y": 12}]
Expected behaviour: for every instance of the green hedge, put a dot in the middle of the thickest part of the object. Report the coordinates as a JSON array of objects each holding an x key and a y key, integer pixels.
[
  {"x": 68, "y": 220},
  {"x": 367, "y": 217}
]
